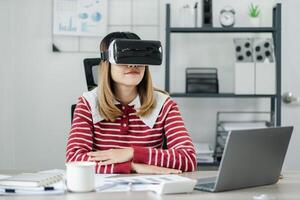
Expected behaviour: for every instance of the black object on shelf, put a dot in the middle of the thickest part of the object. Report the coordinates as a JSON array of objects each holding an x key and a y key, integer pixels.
[
  {"x": 201, "y": 80},
  {"x": 207, "y": 13}
]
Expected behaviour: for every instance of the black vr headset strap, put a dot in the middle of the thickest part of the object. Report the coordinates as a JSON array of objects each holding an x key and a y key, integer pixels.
[{"x": 129, "y": 35}]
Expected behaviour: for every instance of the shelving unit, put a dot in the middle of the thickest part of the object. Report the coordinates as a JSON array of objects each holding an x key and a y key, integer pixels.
[
  {"x": 223, "y": 95},
  {"x": 275, "y": 100}
]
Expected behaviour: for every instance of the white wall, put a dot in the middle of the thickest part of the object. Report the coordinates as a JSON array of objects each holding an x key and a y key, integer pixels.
[
  {"x": 7, "y": 85},
  {"x": 47, "y": 84},
  {"x": 38, "y": 86},
  {"x": 290, "y": 78}
]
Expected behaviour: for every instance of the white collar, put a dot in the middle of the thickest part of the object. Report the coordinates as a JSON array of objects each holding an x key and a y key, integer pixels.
[
  {"x": 135, "y": 102},
  {"x": 149, "y": 120}
]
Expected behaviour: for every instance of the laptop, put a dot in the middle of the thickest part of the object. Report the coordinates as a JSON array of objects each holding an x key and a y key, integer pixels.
[{"x": 251, "y": 158}]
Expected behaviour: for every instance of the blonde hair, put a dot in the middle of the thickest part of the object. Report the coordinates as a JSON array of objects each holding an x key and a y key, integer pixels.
[{"x": 106, "y": 97}]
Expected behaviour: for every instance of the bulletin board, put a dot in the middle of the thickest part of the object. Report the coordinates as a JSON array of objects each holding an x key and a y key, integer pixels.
[{"x": 80, "y": 25}]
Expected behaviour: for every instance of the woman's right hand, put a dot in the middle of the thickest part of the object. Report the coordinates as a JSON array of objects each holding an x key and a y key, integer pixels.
[{"x": 152, "y": 169}]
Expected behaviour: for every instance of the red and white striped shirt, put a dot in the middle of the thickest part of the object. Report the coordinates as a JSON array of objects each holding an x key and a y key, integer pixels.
[{"x": 90, "y": 132}]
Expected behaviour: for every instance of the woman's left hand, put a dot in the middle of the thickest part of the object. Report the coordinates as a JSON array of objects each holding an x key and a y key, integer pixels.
[{"x": 111, "y": 156}]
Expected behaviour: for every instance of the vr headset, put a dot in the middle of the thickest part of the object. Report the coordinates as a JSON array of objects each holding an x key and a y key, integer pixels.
[{"x": 131, "y": 51}]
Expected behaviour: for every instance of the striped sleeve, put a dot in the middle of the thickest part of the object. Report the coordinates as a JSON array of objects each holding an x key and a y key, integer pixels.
[
  {"x": 80, "y": 140},
  {"x": 180, "y": 153}
]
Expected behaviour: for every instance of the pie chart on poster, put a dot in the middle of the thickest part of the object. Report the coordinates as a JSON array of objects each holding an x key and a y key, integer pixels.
[{"x": 96, "y": 17}]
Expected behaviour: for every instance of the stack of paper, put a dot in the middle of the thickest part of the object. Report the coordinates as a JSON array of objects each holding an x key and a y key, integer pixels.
[
  {"x": 204, "y": 153},
  {"x": 56, "y": 188},
  {"x": 32, "y": 184},
  {"x": 230, "y": 126},
  {"x": 161, "y": 184}
]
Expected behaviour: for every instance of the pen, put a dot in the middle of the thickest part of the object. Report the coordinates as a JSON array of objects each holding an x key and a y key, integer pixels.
[{"x": 26, "y": 189}]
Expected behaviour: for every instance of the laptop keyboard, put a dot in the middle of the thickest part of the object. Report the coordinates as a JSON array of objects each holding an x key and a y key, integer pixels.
[{"x": 207, "y": 185}]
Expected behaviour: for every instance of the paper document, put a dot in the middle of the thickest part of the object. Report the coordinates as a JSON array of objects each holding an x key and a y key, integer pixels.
[
  {"x": 204, "y": 153},
  {"x": 241, "y": 126},
  {"x": 31, "y": 179},
  {"x": 100, "y": 179},
  {"x": 80, "y": 17},
  {"x": 157, "y": 183},
  {"x": 203, "y": 148},
  {"x": 4, "y": 176},
  {"x": 56, "y": 188}
]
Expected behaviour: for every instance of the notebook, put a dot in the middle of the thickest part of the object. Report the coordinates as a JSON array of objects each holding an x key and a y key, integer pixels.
[{"x": 32, "y": 179}]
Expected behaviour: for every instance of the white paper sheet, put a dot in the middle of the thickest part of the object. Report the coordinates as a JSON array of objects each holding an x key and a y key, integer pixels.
[
  {"x": 203, "y": 148},
  {"x": 80, "y": 17},
  {"x": 3, "y": 176},
  {"x": 144, "y": 183},
  {"x": 241, "y": 126}
]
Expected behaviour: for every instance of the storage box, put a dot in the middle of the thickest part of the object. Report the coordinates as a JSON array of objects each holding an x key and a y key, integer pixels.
[
  {"x": 244, "y": 78},
  {"x": 244, "y": 66},
  {"x": 255, "y": 66},
  {"x": 265, "y": 66},
  {"x": 202, "y": 80}
]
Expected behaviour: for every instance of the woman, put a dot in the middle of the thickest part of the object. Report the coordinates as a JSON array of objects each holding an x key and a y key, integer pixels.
[{"x": 121, "y": 124}]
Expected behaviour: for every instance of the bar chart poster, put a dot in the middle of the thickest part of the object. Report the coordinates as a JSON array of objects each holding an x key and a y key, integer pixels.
[{"x": 80, "y": 17}]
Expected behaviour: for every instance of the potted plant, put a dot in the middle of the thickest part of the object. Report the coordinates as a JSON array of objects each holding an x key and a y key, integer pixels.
[{"x": 254, "y": 14}]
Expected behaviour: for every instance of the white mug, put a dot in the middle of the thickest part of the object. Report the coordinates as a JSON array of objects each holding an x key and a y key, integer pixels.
[{"x": 81, "y": 176}]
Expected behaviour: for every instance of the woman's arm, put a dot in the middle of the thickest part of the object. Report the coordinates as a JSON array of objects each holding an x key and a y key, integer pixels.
[
  {"x": 180, "y": 153},
  {"x": 152, "y": 169},
  {"x": 80, "y": 141}
]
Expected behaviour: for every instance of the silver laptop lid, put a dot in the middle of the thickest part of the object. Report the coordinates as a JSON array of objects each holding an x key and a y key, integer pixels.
[{"x": 253, "y": 157}]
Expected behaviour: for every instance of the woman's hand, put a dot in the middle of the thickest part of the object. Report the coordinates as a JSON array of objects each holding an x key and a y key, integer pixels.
[
  {"x": 111, "y": 156},
  {"x": 152, "y": 169}
]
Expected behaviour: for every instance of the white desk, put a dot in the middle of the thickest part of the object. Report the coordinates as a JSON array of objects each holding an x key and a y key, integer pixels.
[{"x": 286, "y": 188}]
